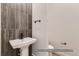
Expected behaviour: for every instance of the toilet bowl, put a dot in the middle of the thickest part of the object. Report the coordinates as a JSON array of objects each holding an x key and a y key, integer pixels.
[{"x": 56, "y": 53}]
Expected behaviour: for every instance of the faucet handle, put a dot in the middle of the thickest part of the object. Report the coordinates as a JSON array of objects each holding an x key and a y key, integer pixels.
[{"x": 21, "y": 35}]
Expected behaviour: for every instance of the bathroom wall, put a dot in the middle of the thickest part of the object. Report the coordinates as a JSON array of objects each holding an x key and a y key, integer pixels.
[
  {"x": 0, "y": 29},
  {"x": 63, "y": 26},
  {"x": 39, "y": 12},
  {"x": 16, "y": 23}
]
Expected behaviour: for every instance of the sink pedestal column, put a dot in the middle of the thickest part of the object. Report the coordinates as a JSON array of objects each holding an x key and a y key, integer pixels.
[{"x": 24, "y": 51}]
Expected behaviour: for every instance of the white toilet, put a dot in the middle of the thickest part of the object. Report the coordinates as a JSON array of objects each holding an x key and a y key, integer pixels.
[{"x": 56, "y": 53}]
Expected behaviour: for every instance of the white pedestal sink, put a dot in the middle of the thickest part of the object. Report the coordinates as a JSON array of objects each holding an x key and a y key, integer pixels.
[{"x": 23, "y": 44}]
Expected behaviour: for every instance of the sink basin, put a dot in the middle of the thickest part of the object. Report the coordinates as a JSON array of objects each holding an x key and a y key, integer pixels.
[{"x": 23, "y": 44}]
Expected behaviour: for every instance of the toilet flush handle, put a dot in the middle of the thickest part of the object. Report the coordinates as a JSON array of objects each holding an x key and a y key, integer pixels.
[{"x": 64, "y": 43}]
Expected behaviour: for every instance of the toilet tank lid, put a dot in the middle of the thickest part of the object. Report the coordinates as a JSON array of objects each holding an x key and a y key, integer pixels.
[{"x": 50, "y": 46}]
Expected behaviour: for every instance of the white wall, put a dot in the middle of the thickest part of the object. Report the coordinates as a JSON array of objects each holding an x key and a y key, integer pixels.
[
  {"x": 0, "y": 29},
  {"x": 63, "y": 26},
  {"x": 39, "y": 29}
]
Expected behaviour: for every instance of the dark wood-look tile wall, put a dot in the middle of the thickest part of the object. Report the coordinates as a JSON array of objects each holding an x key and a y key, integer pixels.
[{"x": 16, "y": 18}]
